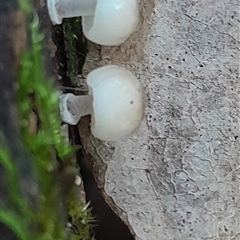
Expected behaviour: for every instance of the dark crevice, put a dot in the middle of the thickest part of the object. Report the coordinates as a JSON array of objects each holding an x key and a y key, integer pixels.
[
  {"x": 107, "y": 225},
  {"x": 58, "y": 39}
]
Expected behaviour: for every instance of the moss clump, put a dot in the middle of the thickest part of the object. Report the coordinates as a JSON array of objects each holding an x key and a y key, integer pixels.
[
  {"x": 12, "y": 212},
  {"x": 44, "y": 145}
]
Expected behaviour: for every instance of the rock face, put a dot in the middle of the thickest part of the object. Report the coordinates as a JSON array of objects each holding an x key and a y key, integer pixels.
[{"x": 178, "y": 177}]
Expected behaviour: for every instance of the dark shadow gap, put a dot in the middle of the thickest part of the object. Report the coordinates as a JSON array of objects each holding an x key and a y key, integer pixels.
[{"x": 108, "y": 225}]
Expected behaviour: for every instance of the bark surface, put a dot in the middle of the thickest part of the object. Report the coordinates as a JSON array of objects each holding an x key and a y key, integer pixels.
[{"x": 178, "y": 177}]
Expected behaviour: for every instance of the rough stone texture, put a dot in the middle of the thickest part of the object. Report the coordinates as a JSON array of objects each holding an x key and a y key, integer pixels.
[{"x": 178, "y": 176}]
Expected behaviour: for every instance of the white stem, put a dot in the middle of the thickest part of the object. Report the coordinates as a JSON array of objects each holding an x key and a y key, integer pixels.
[
  {"x": 59, "y": 9},
  {"x": 80, "y": 105},
  {"x": 72, "y": 107}
]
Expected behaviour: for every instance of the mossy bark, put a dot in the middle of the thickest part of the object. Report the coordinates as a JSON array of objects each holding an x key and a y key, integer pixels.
[{"x": 12, "y": 42}]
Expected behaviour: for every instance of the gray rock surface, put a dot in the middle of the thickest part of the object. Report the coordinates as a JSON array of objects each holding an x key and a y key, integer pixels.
[{"x": 178, "y": 176}]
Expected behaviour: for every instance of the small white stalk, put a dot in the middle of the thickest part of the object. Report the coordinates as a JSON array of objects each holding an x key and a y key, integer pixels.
[
  {"x": 72, "y": 107},
  {"x": 59, "y": 9}
]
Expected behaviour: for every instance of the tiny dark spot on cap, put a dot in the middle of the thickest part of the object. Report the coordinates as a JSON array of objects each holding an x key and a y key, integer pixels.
[{"x": 131, "y": 102}]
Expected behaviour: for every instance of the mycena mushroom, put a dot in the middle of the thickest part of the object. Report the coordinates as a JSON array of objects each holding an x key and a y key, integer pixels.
[
  {"x": 105, "y": 22},
  {"x": 115, "y": 102}
]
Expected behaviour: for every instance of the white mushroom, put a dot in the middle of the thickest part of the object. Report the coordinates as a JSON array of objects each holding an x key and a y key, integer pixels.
[
  {"x": 115, "y": 101},
  {"x": 105, "y": 22}
]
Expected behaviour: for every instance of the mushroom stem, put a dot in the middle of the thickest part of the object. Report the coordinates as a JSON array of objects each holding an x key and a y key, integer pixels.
[
  {"x": 72, "y": 107},
  {"x": 80, "y": 105},
  {"x": 60, "y": 9}
]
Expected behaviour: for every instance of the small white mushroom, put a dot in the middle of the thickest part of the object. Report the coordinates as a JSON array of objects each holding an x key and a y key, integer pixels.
[
  {"x": 115, "y": 101},
  {"x": 105, "y": 22}
]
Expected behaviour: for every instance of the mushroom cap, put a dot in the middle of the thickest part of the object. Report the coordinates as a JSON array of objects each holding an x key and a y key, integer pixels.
[
  {"x": 113, "y": 22},
  {"x": 118, "y": 102}
]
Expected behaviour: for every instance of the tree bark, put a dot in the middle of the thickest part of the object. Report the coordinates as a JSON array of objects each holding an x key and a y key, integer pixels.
[
  {"x": 12, "y": 25},
  {"x": 13, "y": 41}
]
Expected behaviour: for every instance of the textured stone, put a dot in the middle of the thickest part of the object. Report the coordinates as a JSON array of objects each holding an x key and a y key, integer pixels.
[{"x": 178, "y": 176}]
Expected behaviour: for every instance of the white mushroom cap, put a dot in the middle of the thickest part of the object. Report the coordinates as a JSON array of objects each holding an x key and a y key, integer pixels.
[
  {"x": 112, "y": 23},
  {"x": 118, "y": 102}
]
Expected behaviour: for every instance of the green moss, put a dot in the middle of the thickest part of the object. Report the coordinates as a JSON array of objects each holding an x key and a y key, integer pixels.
[
  {"x": 37, "y": 92},
  {"x": 12, "y": 214},
  {"x": 80, "y": 218}
]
